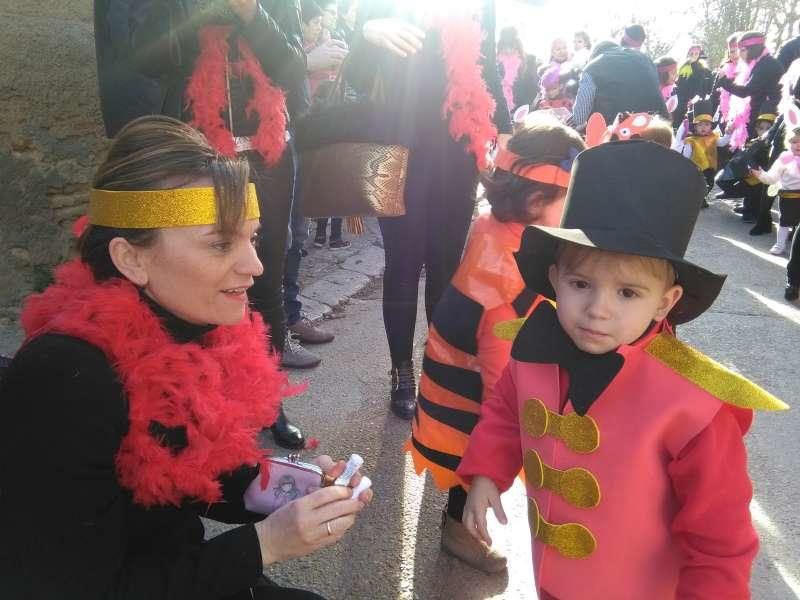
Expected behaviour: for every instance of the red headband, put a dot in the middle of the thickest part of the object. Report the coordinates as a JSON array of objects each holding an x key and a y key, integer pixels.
[
  {"x": 550, "y": 174},
  {"x": 753, "y": 41}
]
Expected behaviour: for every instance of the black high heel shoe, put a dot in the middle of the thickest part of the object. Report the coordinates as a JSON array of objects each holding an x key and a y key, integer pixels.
[{"x": 285, "y": 434}]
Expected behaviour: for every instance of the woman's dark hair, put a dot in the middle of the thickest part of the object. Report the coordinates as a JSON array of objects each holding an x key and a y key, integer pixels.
[
  {"x": 509, "y": 41},
  {"x": 309, "y": 10},
  {"x": 155, "y": 153},
  {"x": 753, "y": 51},
  {"x": 663, "y": 74},
  {"x": 585, "y": 37},
  {"x": 543, "y": 141}
]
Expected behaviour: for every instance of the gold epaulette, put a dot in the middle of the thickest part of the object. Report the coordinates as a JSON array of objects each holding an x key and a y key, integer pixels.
[
  {"x": 711, "y": 376},
  {"x": 508, "y": 330}
]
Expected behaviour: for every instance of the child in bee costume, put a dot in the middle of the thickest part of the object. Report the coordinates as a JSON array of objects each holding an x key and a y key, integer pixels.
[{"x": 699, "y": 142}]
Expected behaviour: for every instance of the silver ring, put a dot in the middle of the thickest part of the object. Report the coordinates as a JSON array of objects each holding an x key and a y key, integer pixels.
[{"x": 328, "y": 527}]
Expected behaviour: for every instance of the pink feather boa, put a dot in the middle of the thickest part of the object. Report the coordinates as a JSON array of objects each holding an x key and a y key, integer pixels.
[
  {"x": 468, "y": 104},
  {"x": 740, "y": 109},
  {"x": 729, "y": 71},
  {"x": 222, "y": 389}
]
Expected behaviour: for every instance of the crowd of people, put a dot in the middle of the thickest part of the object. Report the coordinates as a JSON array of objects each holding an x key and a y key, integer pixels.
[{"x": 154, "y": 360}]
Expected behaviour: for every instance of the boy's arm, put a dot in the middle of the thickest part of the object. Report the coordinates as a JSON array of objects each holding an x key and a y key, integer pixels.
[
  {"x": 712, "y": 528},
  {"x": 494, "y": 445}
]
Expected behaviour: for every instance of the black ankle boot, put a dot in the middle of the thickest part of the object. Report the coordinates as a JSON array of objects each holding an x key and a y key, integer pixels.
[
  {"x": 791, "y": 293},
  {"x": 404, "y": 390},
  {"x": 285, "y": 434},
  {"x": 761, "y": 229}
]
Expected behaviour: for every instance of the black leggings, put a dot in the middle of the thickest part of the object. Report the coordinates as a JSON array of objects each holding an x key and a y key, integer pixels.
[
  {"x": 275, "y": 186},
  {"x": 269, "y": 590},
  {"x": 440, "y": 199},
  {"x": 793, "y": 267}
]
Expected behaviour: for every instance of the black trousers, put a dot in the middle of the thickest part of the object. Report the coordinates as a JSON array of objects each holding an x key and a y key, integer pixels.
[
  {"x": 793, "y": 267},
  {"x": 274, "y": 186},
  {"x": 440, "y": 199},
  {"x": 269, "y": 590}
]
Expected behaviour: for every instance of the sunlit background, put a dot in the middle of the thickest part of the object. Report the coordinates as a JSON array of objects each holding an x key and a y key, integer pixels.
[{"x": 672, "y": 26}]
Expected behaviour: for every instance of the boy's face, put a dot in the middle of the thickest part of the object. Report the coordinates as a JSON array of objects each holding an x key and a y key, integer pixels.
[
  {"x": 606, "y": 300},
  {"x": 762, "y": 127},
  {"x": 703, "y": 128}
]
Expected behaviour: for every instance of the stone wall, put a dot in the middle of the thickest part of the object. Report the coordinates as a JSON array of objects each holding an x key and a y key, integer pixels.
[{"x": 51, "y": 137}]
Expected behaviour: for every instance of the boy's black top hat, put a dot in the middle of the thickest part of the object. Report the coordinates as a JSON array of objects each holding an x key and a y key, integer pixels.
[{"x": 632, "y": 197}]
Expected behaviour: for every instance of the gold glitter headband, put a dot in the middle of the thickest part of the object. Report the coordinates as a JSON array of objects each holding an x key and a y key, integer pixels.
[{"x": 154, "y": 209}]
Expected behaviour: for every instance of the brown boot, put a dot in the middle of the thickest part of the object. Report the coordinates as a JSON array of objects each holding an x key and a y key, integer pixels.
[{"x": 457, "y": 542}]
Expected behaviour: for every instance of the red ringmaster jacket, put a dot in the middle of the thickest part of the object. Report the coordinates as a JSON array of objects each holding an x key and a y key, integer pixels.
[{"x": 641, "y": 493}]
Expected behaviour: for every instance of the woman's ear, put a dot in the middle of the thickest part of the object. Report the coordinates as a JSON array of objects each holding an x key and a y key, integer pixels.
[
  {"x": 129, "y": 261},
  {"x": 668, "y": 301}
]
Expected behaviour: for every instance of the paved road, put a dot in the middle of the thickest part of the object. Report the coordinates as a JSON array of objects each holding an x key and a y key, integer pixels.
[{"x": 393, "y": 552}]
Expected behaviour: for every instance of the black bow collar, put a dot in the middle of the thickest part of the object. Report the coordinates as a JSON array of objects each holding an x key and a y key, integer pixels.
[{"x": 543, "y": 340}]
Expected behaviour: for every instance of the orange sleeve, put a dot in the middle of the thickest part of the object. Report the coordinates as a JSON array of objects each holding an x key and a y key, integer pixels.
[{"x": 493, "y": 353}]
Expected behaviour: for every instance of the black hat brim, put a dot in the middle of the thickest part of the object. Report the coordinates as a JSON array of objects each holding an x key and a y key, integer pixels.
[{"x": 540, "y": 245}]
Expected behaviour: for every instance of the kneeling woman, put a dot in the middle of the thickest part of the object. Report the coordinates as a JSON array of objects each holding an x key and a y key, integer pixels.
[
  {"x": 134, "y": 406},
  {"x": 463, "y": 357}
]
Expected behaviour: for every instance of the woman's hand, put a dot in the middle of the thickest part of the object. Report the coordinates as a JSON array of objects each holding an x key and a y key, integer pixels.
[
  {"x": 327, "y": 55},
  {"x": 482, "y": 495},
  {"x": 335, "y": 468},
  {"x": 244, "y": 9},
  {"x": 396, "y": 35},
  {"x": 304, "y": 526}
]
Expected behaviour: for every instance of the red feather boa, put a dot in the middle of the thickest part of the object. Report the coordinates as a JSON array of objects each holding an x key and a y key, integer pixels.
[
  {"x": 207, "y": 96},
  {"x": 223, "y": 390},
  {"x": 468, "y": 104}
]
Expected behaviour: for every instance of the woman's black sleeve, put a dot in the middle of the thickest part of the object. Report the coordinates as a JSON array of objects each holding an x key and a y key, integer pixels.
[
  {"x": 502, "y": 118},
  {"x": 765, "y": 76},
  {"x": 65, "y": 519}
]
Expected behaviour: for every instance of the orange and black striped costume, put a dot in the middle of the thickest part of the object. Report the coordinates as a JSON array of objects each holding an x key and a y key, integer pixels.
[{"x": 462, "y": 356}]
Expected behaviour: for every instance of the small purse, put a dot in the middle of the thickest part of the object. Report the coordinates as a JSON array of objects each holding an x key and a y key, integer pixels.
[{"x": 352, "y": 163}]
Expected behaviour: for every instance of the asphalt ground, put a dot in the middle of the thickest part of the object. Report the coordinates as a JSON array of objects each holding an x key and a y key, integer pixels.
[{"x": 393, "y": 551}]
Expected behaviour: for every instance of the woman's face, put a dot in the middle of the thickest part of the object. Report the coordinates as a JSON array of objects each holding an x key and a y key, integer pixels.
[
  {"x": 198, "y": 274},
  {"x": 312, "y": 30},
  {"x": 733, "y": 53},
  {"x": 672, "y": 75},
  {"x": 694, "y": 54},
  {"x": 579, "y": 43},
  {"x": 558, "y": 51},
  {"x": 329, "y": 15},
  {"x": 744, "y": 54}
]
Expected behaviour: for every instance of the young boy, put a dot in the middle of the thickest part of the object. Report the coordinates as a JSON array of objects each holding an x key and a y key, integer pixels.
[
  {"x": 631, "y": 441},
  {"x": 701, "y": 142}
]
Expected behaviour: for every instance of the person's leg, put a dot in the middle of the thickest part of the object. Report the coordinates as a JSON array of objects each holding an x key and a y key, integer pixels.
[
  {"x": 792, "y": 290},
  {"x": 764, "y": 216},
  {"x": 336, "y": 228},
  {"x": 404, "y": 249},
  {"x": 322, "y": 232},
  {"x": 291, "y": 287},
  {"x": 274, "y": 186},
  {"x": 788, "y": 220},
  {"x": 457, "y": 541},
  {"x": 450, "y": 206}
]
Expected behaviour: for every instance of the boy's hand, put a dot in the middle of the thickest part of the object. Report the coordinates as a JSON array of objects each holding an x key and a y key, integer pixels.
[{"x": 482, "y": 495}]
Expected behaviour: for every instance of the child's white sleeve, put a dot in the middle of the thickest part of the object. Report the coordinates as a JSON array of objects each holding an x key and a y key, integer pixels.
[
  {"x": 724, "y": 140},
  {"x": 680, "y": 145},
  {"x": 773, "y": 175}
]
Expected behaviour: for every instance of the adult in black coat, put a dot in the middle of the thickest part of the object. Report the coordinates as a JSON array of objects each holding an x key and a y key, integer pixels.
[
  {"x": 392, "y": 46},
  {"x": 167, "y": 46},
  {"x": 789, "y": 52},
  {"x": 617, "y": 80},
  {"x": 125, "y": 93},
  {"x": 694, "y": 79},
  {"x": 125, "y": 363},
  {"x": 762, "y": 86}
]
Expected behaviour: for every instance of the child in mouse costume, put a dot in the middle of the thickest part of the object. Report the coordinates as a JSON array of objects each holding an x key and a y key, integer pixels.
[{"x": 630, "y": 440}]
